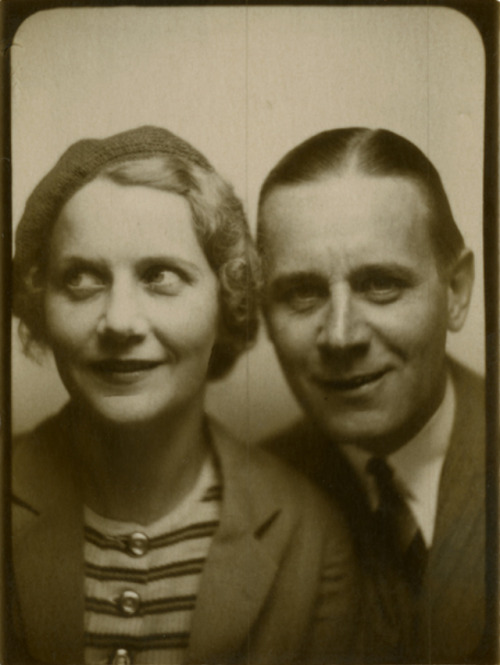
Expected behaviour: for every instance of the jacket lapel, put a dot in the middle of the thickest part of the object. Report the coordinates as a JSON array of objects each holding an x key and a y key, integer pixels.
[
  {"x": 454, "y": 604},
  {"x": 48, "y": 554},
  {"x": 50, "y": 561},
  {"x": 236, "y": 581},
  {"x": 238, "y": 573},
  {"x": 306, "y": 448}
]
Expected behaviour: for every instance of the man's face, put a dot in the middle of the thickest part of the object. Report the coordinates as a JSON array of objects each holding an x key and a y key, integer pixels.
[{"x": 356, "y": 306}]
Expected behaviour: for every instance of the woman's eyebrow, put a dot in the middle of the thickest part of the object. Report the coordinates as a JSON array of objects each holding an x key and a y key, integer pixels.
[
  {"x": 81, "y": 260},
  {"x": 168, "y": 260},
  {"x": 143, "y": 262}
]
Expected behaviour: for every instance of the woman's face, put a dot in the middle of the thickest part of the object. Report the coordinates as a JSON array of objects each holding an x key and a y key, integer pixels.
[{"x": 131, "y": 302}]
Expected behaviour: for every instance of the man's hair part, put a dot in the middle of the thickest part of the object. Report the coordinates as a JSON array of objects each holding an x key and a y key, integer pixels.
[{"x": 376, "y": 153}]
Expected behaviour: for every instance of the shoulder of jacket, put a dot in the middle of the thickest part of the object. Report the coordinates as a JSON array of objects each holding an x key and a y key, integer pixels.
[
  {"x": 466, "y": 380},
  {"x": 38, "y": 461},
  {"x": 276, "y": 482},
  {"x": 290, "y": 442},
  {"x": 31, "y": 447}
]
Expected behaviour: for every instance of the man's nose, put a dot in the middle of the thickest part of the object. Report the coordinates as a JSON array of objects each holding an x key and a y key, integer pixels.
[
  {"x": 123, "y": 316},
  {"x": 343, "y": 325}
]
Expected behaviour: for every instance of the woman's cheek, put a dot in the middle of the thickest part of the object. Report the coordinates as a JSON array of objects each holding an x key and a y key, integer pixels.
[
  {"x": 68, "y": 322},
  {"x": 189, "y": 323}
]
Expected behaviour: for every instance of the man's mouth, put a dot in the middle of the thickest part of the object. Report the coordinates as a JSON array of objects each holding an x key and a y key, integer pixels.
[{"x": 351, "y": 382}]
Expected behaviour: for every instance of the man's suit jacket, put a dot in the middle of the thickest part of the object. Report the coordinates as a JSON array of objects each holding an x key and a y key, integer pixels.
[
  {"x": 278, "y": 585},
  {"x": 446, "y": 621}
]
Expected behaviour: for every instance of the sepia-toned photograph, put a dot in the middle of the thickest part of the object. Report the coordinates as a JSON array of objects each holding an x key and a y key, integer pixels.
[{"x": 252, "y": 333}]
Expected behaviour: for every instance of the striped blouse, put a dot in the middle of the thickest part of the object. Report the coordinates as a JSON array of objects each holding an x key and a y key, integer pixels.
[{"x": 141, "y": 582}]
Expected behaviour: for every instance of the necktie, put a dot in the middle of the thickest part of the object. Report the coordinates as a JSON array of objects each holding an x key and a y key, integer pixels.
[{"x": 397, "y": 530}]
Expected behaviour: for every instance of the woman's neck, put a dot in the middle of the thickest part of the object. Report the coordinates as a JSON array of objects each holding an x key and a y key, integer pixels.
[{"x": 140, "y": 472}]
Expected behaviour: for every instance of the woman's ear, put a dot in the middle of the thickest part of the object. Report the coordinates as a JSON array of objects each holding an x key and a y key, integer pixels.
[
  {"x": 460, "y": 282},
  {"x": 34, "y": 279}
]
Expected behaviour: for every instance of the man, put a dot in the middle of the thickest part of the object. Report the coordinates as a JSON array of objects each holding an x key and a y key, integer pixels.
[{"x": 365, "y": 273}]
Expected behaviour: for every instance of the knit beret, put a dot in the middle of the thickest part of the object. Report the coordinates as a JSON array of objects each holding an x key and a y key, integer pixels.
[{"x": 78, "y": 166}]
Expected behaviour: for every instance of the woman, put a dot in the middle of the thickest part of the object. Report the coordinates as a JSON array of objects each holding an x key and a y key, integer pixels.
[{"x": 142, "y": 533}]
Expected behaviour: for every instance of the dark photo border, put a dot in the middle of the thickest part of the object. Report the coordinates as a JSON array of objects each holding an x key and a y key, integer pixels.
[{"x": 484, "y": 15}]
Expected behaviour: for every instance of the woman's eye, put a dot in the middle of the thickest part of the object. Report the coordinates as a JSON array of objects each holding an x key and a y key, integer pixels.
[
  {"x": 163, "y": 280},
  {"x": 83, "y": 284}
]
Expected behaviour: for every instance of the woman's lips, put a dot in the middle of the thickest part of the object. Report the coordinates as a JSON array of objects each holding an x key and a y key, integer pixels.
[
  {"x": 354, "y": 382},
  {"x": 114, "y": 366}
]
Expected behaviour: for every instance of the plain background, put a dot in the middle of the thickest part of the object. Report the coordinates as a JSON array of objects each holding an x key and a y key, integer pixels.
[{"x": 244, "y": 85}]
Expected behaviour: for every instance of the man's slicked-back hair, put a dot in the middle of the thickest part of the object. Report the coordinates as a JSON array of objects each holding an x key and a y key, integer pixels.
[{"x": 370, "y": 152}]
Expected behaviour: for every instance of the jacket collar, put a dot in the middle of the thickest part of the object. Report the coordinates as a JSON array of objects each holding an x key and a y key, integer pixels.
[
  {"x": 457, "y": 557},
  {"x": 47, "y": 551},
  {"x": 236, "y": 579},
  {"x": 463, "y": 501},
  {"x": 238, "y": 572}
]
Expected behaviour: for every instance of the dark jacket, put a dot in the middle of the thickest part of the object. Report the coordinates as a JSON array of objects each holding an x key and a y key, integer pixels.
[
  {"x": 278, "y": 585},
  {"x": 445, "y": 622}
]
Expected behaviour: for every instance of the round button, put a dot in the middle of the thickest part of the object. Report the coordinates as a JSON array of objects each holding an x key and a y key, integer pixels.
[
  {"x": 138, "y": 544},
  {"x": 121, "y": 657},
  {"x": 129, "y": 602}
]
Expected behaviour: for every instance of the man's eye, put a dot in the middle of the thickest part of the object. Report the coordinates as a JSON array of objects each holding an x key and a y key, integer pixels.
[
  {"x": 163, "y": 280},
  {"x": 382, "y": 288},
  {"x": 303, "y": 298},
  {"x": 83, "y": 284}
]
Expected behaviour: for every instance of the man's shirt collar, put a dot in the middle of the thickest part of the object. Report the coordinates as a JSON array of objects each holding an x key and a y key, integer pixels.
[{"x": 417, "y": 465}]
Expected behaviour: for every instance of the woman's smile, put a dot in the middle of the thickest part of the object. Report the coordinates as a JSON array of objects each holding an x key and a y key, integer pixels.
[{"x": 125, "y": 371}]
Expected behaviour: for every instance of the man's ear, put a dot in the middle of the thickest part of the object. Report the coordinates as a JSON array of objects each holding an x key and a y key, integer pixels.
[{"x": 460, "y": 282}]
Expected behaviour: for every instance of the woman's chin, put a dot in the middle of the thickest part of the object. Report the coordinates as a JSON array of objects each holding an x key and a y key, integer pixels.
[
  {"x": 121, "y": 410},
  {"x": 132, "y": 410}
]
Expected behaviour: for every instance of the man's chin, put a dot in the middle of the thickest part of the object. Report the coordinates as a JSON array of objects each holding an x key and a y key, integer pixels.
[{"x": 378, "y": 438}]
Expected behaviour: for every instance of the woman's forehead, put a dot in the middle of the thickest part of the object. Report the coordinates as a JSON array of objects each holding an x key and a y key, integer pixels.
[{"x": 109, "y": 218}]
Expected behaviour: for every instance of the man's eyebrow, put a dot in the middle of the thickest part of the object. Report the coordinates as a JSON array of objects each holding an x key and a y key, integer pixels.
[
  {"x": 287, "y": 279},
  {"x": 390, "y": 267}
]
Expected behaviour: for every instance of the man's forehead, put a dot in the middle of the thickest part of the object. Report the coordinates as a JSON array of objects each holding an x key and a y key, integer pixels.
[
  {"x": 311, "y": 229},
  {"x": 350, "y": 190},
  {"x": 353, "y": 209}
]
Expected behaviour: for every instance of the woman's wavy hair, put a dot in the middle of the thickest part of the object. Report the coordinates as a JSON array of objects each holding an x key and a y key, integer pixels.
[{"x": 219, "y": 223}]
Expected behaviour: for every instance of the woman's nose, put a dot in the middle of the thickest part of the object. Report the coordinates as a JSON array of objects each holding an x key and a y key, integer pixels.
[
  {"x": 343, "y": 326},
  {"x": 123, "y": 316}
]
